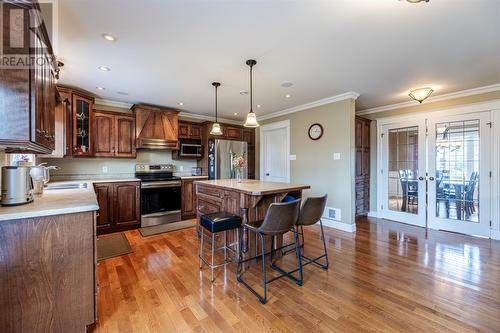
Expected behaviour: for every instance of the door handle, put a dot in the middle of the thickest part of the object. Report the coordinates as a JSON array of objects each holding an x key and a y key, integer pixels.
[
  {"x": 420, "y": 178},
  {"x": 431, "y": 178}
]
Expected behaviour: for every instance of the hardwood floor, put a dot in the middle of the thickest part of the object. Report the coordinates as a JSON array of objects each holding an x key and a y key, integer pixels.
[{"x": 387, "y": 277}]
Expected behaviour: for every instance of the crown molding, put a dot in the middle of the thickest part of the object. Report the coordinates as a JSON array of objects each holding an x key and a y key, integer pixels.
[
  {"x": 348, "y": 95},
  {"x": 209, "y": 118},
  {"x": 115, "y": 104},
  {"x": 438, "y": 98}
]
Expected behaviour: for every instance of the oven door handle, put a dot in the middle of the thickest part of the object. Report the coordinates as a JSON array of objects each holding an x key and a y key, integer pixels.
[{"x": 161, "y": 184}]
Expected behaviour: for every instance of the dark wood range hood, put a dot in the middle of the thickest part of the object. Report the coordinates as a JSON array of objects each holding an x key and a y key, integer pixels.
[{"x": 156, "y": 127}]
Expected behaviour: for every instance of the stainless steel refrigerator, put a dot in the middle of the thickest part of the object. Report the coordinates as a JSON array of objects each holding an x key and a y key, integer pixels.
[{"x": 220, "y": 158}]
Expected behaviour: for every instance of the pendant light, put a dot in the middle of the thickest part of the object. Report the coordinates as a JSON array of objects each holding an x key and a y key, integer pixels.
[
  {"x": 216, "y": 130},
  {"x": 251, "y": 117}
]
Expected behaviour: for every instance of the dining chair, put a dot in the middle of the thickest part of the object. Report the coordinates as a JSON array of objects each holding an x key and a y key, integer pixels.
[{"x": 280, "y": 219}]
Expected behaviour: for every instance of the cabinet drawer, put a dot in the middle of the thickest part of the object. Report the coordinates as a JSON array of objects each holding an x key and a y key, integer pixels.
[
  {"x": 210, "y": 191},
  {"x": 205, "y": 207}
]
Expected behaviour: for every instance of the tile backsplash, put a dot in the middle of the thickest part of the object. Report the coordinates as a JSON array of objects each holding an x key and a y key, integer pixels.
[{"x": 97, "y": 168}]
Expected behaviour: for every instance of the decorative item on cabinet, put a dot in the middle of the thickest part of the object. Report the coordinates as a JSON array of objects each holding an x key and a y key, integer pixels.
[
  {"x": 28, "y": 95},
  {"x": 362, "y": 171},
  {"x": 156, "y": 127},
  {"x": 114, "y": 134},
  {"x": 119, "y": 206}
]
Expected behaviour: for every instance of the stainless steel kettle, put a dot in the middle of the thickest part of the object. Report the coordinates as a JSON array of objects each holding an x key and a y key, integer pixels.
[{"x": 17, "y": 186}]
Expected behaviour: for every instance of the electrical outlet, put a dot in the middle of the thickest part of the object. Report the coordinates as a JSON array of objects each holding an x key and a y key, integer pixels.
[
  {"x": 293, "y": 157},
  {"x": 181, "y": 168},
  {"x": 105, "y": 169},
  {"x": 336, "y": 156}
]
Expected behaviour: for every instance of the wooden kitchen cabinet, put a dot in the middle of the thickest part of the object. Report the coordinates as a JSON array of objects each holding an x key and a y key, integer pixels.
[
  {"x": 82, "y": 127},
  {"x": 362, "y": 168},
  {"x": 28, "y": 95},
  {"x": 189, "y": 130},
  {"x": 114, "y": 135},
  {"x": 119, "y": 206},
  {"x": 233, "y": 132},
  {"x": 188, "y": 202},
  {"x": 48, "y": 273}
]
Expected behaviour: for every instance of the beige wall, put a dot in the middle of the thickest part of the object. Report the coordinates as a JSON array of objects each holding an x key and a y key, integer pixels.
[
  {"x": 429, "y": 106},
  {"x": 315, "y": 164}
]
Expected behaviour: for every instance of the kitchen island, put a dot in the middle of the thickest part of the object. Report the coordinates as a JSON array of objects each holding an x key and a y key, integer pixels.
[{"x": 249, "y": 199}]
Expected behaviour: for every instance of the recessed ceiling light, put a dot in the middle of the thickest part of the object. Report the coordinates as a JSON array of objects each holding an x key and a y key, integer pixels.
[
  {"x": 180, "y": 103},
  {"x": 100, "y": 88},
  {"x": 236, "y": 113},
  {"x": 288, "y": 96},
  {"x": 122, "y": 93},
  {"x": 104, "y": 68},
  {"x": 109, "y": 37},
  {"x": 243, "y": 92},
  {"x": 287, "y": 84},
  {"x": 258, "y": 105}
]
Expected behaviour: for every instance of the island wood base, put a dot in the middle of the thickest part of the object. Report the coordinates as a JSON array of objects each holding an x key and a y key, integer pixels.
[{"x": 252, "y": 197}]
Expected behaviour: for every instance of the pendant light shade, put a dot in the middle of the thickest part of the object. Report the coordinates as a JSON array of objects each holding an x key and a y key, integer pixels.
[
  {"x": 216, "y": 130},
  {"x": 251, "y": 117}
]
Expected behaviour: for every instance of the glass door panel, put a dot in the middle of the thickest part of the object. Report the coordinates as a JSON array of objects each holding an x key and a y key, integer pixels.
[
  {"x": 458, "y": 163},
  {"x": 403, "y": 172}
]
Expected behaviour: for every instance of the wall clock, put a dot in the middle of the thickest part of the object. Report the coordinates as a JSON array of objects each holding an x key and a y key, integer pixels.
[{"x": 315, "y": 131}]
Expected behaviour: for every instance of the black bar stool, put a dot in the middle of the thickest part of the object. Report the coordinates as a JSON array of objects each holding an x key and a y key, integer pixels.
[
  {"x": 310, "y": 213},
  {"x": 280, "y": 218},
  {"x": 214, "y": 223}
]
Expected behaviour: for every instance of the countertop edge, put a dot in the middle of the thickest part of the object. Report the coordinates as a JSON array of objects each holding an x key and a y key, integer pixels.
[{"x": 292, "y": 187}]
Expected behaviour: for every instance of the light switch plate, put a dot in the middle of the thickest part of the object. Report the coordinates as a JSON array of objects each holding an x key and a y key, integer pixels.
[
  {"x": 336, "y": 156},
  {"x": 105, "y": 169},
  {"x": 181, "y": 168},
  {"x": 293, "y": 157}
]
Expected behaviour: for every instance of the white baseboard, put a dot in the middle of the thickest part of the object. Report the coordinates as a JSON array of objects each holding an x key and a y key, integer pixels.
[
  {"x": 339, "y": 225},
  {"x": 495, "y": 234},
  {"x": 372, "y": 214}
]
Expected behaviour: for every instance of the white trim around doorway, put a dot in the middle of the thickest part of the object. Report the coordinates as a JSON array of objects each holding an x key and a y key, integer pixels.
[{"x": 272, "y": 126}]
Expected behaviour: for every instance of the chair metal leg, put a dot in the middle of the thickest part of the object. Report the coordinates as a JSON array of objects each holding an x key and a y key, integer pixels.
[
  {"x": 324, "y": 244},
  {"x": 299, "y": 257},
  {"x": 201, "y": 249},
  {"x": 240, "y": 257},
  {"x": 213, "y": 255},
  {"x": 296, "y": 244},
  {"x": 225, "y": 248},
  {"x": 264, "y": 299},
  {"x": 302, "y": 233}
]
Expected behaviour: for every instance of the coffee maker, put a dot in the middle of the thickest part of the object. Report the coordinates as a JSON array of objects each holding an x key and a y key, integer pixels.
[{"x": 17, "y": 186}]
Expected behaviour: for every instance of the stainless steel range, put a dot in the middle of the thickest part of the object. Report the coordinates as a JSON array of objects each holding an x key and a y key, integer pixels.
[{"x": 160, "y": 194}]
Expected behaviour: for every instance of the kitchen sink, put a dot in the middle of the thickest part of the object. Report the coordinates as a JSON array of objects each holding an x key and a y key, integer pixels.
[{"x": 66, "y": 186}]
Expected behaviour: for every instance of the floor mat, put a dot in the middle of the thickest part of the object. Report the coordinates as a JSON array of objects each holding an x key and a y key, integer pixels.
[{"x": 112, "y": 246}]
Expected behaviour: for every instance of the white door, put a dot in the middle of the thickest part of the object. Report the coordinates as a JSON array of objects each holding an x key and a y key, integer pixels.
[
  {"x": 403, "y": 172},
  {"x": 274, "y": 152},
  {"x": 459, "y": 173}
]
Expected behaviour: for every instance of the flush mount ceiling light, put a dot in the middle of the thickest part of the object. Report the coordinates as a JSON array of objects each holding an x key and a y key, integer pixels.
[
  {"x": 288, "y": 96},
  {"x": 216, "y": 130},
  {"x": 109, "y": 38},
  {"x": 421, "y": 94},
  {"x": 104, "y": 68},
  {"x": 417, "y": 1},
  {"x": 251, "y": 117}
]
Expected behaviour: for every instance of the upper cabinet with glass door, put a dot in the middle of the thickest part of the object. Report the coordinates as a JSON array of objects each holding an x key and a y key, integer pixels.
[{"x": 82, "y": 125}]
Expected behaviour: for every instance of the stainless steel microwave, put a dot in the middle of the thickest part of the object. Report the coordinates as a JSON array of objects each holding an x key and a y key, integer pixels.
[{"x": 191, "y": 150}]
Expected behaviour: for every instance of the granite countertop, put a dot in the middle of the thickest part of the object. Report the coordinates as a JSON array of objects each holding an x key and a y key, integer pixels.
[
  {"x": 253, "y": 187},
  {"x": 194, "y": 177},
  {"x": 54, "y": 202}
]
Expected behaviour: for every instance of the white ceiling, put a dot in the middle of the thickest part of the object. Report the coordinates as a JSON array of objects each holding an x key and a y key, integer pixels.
[{"x": 171, "y": 51}]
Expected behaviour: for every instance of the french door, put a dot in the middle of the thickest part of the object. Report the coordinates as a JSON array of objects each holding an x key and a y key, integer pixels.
[
  {"x": 436, "y": 173},
  {"x": 403, "y": 172},
  {"x": 459, "y": 174}
]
